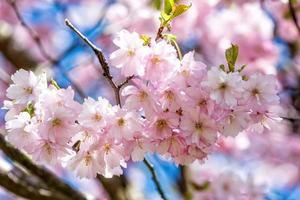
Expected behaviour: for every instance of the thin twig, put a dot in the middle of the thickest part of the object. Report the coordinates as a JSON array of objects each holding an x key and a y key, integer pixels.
[
  {"x": 116, "y": 88},
  {"x": 44, "y": 175},
  {"x": 294, "y": 16},
  {"x": 159, "y": 33},
  {"x": 31, "y": 32},
  {"x": 104, "y": 65},
  {"x": 35, "y": 37},
  {"x": 154, "y": 178}
]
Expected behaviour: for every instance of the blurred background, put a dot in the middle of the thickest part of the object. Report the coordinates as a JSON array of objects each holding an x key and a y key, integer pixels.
[{"x": 33, "y": 36}]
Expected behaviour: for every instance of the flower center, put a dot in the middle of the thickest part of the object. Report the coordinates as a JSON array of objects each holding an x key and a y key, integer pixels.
[
  {"x": 56, "y": 122},
  {"x": 223, "y": 86},
  {"x": 155, "y": 60},
  {"x": 255, "y": 92},
  {"x": 161, "y": 124},
  {"x": 169, "y": 95},
  {"x": 106, "y": 147},
  {"x": 48, "y": 148},
  {"x": 143, "y": 95},
  {"x": 97, "y": 117},
  {"x": 130, "y": 53},
  {"x": 121, "y": 122},
  {"x": 202, "y": 102},
  {"x": 28, "y": 90},
  {"x": 199, "y": 126},
  {"x": 87, "y": 159}
]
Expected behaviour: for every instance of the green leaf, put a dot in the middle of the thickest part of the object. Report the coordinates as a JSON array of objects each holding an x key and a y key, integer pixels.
[
  {"x": 170, "y": 37},
  {"x": 54, "y": 83},
  {"x": 222, "y": 67},
  {"x": 180, "y": 9},
  {"x": 231, "y": 55},
  {"x": 242, "y": 68},
  {"x": 167, "y": 16},
  {"x": 29, "y": 109},
  {"x": 156, "y": 4},
  {"x": 169, "y": 4},
  {"x": 204, "y": 186},
  {"x": 146, "y": 39}
]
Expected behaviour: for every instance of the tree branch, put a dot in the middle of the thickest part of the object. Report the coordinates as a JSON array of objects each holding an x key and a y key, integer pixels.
[
  {"x": 26, "y": 191},
  {"x": 116, "y": 88},
  {"x": 44, "y": 175},
  {"x": 154, "y": 178},
  {"x": 104, "y": 65},
  {"x": 294, "y": 16},
  {"x": 31, "y": 32},
  {"x": 18, "y": 58}
]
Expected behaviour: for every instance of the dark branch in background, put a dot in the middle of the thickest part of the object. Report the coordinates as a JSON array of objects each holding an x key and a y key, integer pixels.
[
  {"x": 104, "y": 65},
  {"x": 182, "y": 184},
  {"x": 111, "y": 185},
  {"x": 116, "y": 88},
  {"x": 14, "y": 186},
  {"x": 294, "y": 15},
  {"x": 31, "y": 32},
  {"x": 155, "y": 180},
  {"x": 41, "y": 48},
  {"x": 48, "y": 178},
  {"x": 18, "y": 58},
  {"x": 112, "y": 189}
]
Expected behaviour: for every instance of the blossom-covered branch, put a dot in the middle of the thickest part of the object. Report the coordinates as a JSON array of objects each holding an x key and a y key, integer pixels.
[
  {"x": 116, "y": 89},
  {"x": 105, "y": 67}
]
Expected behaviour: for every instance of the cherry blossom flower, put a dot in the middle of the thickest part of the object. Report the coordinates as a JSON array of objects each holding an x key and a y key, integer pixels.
[
  {"x": 224, "y": 86},
  {"x": 27, "y": 86},
  {"x": 95, "y": 113},
  {"x": 161, "y": 63},
  {"x": 130, "y": 55},
  {"x": 86, "y": 164}
]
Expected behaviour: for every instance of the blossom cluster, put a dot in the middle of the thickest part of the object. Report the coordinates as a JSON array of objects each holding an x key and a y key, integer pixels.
[
  {"x": 175, "y": 107},
  {"x": 227, "y": 185}
]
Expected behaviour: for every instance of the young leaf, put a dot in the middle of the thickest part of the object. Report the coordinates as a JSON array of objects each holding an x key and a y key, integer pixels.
[
  {"x": 157, "y": 4},
  {"x": 54, "y": 83},
  {"x": 180, "y": 9},
  {"x": 231, "y": 55},
  {"x": 146, "y": 39},
  {"x": 222, "y": 67},
  {"x": 29, "y": 109},
  {"x": 169, "y": 4}
]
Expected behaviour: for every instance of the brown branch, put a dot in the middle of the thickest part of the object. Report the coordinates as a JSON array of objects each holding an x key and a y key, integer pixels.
[
  {"x": 35, "y": 37},
  {"x": 18, "y": 58},
  {"x": 31, "y": 32},
  {"x": 112, "y": 189},
  {"x": 116, "y": 89},
  {"x": 47, "y": 177},
  {"x": 294, "y": 16},
  {"x": 155, "y": 179},
  {"x": 104, "y": 65},
  {"x": 183, "y": 185},
  {"x": 159, "y": 33},
  {"x": 15, "y": 187}
]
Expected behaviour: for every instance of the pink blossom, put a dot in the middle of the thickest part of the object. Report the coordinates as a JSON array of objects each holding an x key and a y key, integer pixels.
[
  {"x": 161, "y": 63},
  {"x": 130, "y": 55},
  {"x": 95, "y": 113},
  {"x": 261, "y": 90},
  {"x": 86, "y": 164},
  {"x": 125, "y": 124},
  {"x": 26, "y": 86},
  {"x": 22, "y": 130},
  {"x": 225, "y": 86},
  {"x": 200, "y": 127}
]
